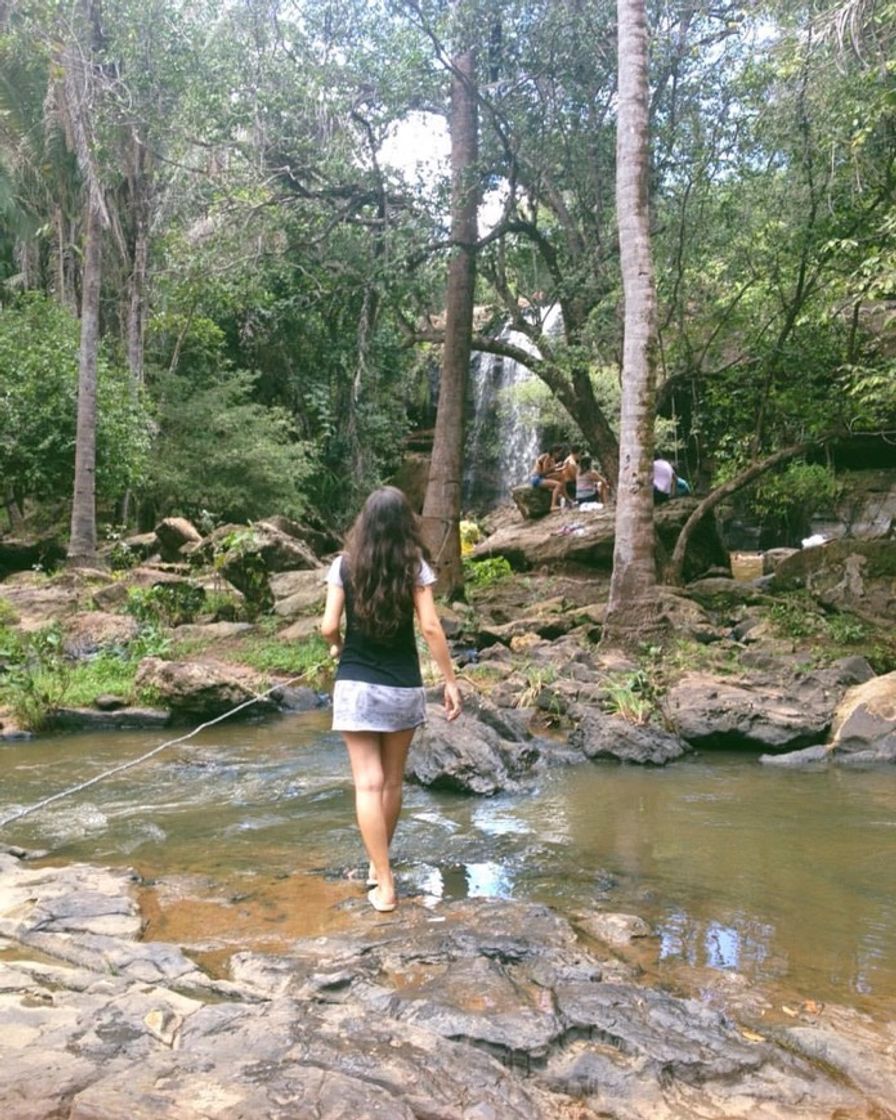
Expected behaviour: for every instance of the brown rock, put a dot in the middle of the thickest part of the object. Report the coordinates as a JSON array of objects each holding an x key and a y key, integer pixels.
[
  {"x": 856, "y": 575},
  {"x": 173, "y": 533},
  {"x": 90, "y": 631},
  {"x": 199, "y": 691},
  {"x": 301, "y": 630}
]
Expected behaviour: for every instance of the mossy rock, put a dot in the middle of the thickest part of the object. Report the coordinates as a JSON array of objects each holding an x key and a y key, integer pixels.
[{"x": 846, "y": 574}]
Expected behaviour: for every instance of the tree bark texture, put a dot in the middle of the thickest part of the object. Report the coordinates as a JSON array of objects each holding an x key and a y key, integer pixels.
[
  {"x": 441, "y": 507},
  {"x": 82, "y": 540},
  {"x": 631, "y": 610}
]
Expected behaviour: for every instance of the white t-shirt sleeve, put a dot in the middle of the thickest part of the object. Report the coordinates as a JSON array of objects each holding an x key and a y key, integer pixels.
[
  {"x": 425, "y": 575},
  {"x": 334, "y": 575},
  {"x": 663, "y": 473}
]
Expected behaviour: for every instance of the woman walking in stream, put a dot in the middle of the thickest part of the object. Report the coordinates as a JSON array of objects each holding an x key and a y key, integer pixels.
[{"x": 381, "y": 582}]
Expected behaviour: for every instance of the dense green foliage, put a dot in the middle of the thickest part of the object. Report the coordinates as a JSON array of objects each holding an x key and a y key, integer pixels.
[
  {"x": 268, "y": 272},
  {"x": 38, "y": 401}
]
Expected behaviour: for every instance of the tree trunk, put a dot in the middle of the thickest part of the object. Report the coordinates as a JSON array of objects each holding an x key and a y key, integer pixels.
[
  {"x": 631, "y": 610},
  {"x": 441, "y": 508},
  {"x": 82, "y": 540},
  {"x": 13, "y": 511},
  {"x": 594, "y": 426},
  {"x": 136, "y": 312},
  {"x": 139, "y": 192}
]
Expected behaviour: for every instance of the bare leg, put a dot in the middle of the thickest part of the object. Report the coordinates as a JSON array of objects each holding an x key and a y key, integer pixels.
[
  {"x": 556, "y": 488},
  {"x": 394, "y": 753},
  {"x": 365, "y": 754},
  {"x": 378, "y": 761},
  {"x": 395, "y": 746}
]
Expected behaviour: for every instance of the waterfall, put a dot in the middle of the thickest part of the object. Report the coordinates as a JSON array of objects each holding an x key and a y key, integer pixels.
[{"x": 501, "y": 441}]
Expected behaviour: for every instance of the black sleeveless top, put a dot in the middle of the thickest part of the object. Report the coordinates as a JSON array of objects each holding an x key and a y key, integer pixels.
[{"x": 389, "y": 660}]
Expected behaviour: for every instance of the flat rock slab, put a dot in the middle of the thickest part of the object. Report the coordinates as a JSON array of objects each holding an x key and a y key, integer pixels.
[
  {"x": 588, "y": 538},
  {"x": 118, "y": 719},
  {"x": 482, "y": 1009}
]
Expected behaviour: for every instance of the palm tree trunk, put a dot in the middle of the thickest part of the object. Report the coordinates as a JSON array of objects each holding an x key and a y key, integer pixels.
[
  {"x": 441, "y": 507},
  {"x": 631, "y": 610},
  {"x": 82, "y": 540}
]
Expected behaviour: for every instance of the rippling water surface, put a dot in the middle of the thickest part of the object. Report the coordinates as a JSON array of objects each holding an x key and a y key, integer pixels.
[{"x": 246, "y": 836}]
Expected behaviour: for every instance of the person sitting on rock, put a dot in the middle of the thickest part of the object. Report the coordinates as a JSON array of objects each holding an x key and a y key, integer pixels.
[
  {"x": 591, "y": 486},
  {"x": 546, "y": 473}
]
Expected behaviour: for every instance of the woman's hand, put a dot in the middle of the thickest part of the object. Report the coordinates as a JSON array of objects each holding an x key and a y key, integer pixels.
[
  {"x": 452, "y": 700},
  {"x": 336, "y": 650}
]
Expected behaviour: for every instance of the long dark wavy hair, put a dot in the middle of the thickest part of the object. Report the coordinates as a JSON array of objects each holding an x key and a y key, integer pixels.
[{"x": 383, "y": 550}]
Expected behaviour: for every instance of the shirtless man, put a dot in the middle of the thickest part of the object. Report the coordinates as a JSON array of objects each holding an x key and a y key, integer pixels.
[{"x": 547, "y": 473}]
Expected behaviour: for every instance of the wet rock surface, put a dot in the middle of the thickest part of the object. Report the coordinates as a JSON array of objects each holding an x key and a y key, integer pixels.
[
  {"x": 599, "y": 734},
  {"x": 478, "y": 1009}
]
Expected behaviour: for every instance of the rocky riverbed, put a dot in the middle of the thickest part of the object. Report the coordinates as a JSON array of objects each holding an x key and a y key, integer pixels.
[
  {"x": 475, "y": 1009},
  {"x": 480, "y": 1008}
]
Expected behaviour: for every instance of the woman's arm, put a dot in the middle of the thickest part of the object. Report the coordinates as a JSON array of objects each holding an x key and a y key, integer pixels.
[
  {"x": 329, "y": 624},
  {"x": 434, "y": 635}
]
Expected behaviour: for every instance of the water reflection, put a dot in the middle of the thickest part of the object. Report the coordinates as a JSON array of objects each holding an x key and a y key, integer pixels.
[
  {"x": 740, "y": 944},
  {"x": 779, "y": 876}
]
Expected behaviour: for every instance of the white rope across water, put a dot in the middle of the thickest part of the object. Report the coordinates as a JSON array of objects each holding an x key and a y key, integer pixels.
[{"x": 156, "y": 750}]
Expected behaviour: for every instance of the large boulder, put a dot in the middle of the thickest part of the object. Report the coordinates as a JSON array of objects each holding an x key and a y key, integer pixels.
[
  {"x": 773, "y": 712},
  {"x": 199, "y": 691},
  {"x": 588, "y": 538},
  {"x": 248, "y": 556},
  {"x": 532, "y": 501},
  {"x": 848, "y": 575},
  {"x": 90, "y": 631},
  {"x": 863, "y": 732},
  {"x": 599, "y": 734},
  {"x": 173, "y": 535},
  {"x": 298, "y": 592},
  {"x": 320, "y": 541},
  {"x": 479, "y": 752},
  {"x": 866, "y": 508}
]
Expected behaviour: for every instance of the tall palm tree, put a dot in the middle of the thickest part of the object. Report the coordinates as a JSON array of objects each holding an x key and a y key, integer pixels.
[
  {"x": 631, "y": 611},
  {"x": 78, "y": 93}
]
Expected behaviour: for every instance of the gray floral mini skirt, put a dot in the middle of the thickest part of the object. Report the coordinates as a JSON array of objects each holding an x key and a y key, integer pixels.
[{"x": 359, "y": 706}]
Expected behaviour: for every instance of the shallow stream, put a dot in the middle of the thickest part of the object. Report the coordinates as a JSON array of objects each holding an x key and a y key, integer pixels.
[{"x": 246, "y": 838}]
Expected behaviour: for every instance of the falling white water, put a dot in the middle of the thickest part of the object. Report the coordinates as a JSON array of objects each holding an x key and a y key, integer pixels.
[{"x": 502, "y": 442}]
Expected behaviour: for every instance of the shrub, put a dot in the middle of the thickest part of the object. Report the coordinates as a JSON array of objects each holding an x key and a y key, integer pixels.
[
  {"x": 8, "y": 615},
  {"x": 170, "y": 604},
  {"x": 218, "y": 449},
  {"x": 36, "y": 677},
  {"x": 484, "y": 573}
]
